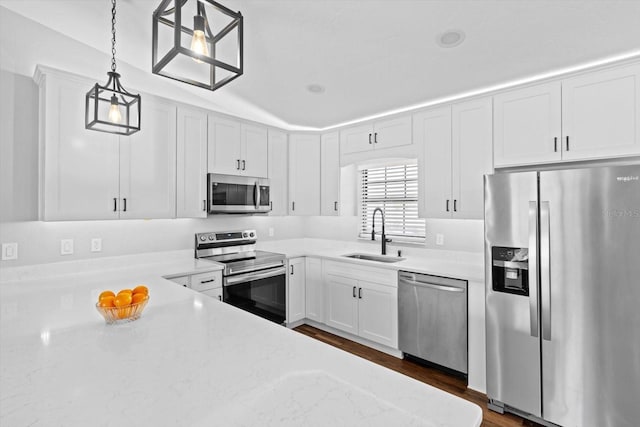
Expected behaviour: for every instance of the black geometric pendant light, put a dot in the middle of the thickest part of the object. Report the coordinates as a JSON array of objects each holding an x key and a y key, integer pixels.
[
  {"x": 195, "y": 54},
  {"x": 110, "y": 108}
]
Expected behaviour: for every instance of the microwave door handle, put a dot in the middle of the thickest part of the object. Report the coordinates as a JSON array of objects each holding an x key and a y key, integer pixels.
[{"x": 256, "y": 193}]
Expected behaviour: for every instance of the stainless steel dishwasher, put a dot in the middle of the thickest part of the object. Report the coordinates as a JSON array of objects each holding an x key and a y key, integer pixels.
[{"x": 432, "y": 315}]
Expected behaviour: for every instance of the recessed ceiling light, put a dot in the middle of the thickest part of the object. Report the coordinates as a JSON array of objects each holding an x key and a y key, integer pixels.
[
  {"x": 450, "y": 38},
  {"x": 314, "y": 88}
]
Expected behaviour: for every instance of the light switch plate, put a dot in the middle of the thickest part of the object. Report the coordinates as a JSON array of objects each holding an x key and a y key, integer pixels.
[
  {"x": 439, "y": 239},
  {"x": 96, "y": 244},
  {"x": 271, "y": 232},
  {"x": 66, "y": 247},
  {"x": 9, "y": 251}
]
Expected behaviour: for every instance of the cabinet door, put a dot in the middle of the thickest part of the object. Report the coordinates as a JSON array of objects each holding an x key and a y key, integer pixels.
[
  {"x": 378, "y": 313},
  {"x": 527, "y": 126},
  {"x": 255, "y": 151},
  {"x": 296, "y": 290},
  {"x": 224, "y": 143},
  {"x": 342, "y": 303},
  {"x": 215, "y": 293},
  {"x": 80, "y": 175},
  {"x": 304, "y": 174},
  {"x": 314, "y": 290},
  {"x": 191, "y": 191},
  {"x": 432, "y": 130},
  {"x": 392, "y": 133},
  {"x": 278, "y": 172},
  {"x": 148, "y": 165},
  {"x": 329, "y": 174},
  {"x": 356, "y": 139},
  {"x": 471, "y": 156},
  {"x": 601, "y": 114}
]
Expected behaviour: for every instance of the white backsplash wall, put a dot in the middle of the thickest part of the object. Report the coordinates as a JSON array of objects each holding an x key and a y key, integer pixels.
[{"x": 458, "y": 235}]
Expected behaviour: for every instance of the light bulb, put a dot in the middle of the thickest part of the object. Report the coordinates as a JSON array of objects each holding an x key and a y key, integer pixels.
[
  {"x": 199, "y": 41},
  {"x": 114, "y": 111}
]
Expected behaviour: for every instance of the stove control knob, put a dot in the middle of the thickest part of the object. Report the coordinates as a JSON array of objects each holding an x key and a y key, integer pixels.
[
  {"x": 245, "y": 235},
  {"x": 252, "y": 234},
  {"x": 203, "y": 238},
  {"x": 211, "y": 237}
]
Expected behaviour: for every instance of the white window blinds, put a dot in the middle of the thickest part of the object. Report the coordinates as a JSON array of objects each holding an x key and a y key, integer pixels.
[{"x": 394, "y": 189}]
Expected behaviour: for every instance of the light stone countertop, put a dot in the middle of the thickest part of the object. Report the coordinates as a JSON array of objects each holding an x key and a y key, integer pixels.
[
  {"x": 188, "y": 361},
  {"x": 455, "y": 264}
]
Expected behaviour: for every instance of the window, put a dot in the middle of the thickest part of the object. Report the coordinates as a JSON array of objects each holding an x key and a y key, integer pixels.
[{"x": 394, "y": 189}]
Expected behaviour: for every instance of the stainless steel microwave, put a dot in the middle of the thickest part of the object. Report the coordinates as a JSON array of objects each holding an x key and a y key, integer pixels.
[{"x": 238, "y": 194}]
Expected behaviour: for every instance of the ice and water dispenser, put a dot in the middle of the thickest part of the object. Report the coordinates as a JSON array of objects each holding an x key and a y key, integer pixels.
[{"x": 510, "y": 270}]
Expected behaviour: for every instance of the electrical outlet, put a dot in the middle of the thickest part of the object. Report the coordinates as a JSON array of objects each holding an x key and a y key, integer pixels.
[
  {"x": 439, "y": 239},
  {"x": 66, "y": 247},
  {"x": 271, "y": 232},
  {"x": 9, "y": 251},
  {"x": 96, "y": 244}
]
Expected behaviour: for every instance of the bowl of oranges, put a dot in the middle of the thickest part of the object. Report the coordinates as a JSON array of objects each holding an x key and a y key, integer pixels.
[{"x": 125, "y": 306}]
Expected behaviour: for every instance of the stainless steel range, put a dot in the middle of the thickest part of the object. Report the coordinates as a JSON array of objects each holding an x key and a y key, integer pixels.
[{"x": 253, "y": 280}]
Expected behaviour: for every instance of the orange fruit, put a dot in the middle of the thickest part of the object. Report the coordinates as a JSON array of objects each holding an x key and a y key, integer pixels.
[
  {"x": 122, "y": 299},
  {"x": 138, "y": 297},
  {"x": 125, "y": 291},
  {"x": 107, "y": 301},
  {"x": 106, "y": 294},
  {"x": 141, "y": 289},
  {"x": 124, "y": 312}
]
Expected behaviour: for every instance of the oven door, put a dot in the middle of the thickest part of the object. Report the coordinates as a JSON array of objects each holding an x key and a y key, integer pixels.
[
  {"x": 261, "y": 292},
  {"x": 238, "y": 194}
]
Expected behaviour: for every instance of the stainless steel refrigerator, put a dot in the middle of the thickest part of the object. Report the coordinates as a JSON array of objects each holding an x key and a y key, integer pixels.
[{"x": 562, "y": 253}]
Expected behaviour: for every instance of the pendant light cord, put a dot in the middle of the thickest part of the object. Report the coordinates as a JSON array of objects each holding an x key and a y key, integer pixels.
[{"x": 113, "y": 36}]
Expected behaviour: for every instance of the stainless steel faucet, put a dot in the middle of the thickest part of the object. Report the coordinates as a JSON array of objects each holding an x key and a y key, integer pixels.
[{"x": 373, "y": 230}]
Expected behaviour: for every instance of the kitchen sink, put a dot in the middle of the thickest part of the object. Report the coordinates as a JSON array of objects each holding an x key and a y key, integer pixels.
[{"x": 378, "y": 258}]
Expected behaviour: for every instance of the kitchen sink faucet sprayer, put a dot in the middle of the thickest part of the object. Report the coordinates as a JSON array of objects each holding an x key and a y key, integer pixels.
[{"x": 373, "y": 230}]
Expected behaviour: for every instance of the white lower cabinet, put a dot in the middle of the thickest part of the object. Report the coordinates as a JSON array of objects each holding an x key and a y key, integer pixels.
[
  {"x": 362, "y": 301},
  {"x": 209, "y": 283},
  {"x": 314, "y": 290},
  {"x": 296, "y": 290}
]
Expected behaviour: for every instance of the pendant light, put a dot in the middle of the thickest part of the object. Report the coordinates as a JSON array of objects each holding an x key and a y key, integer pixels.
[
  {"x": 110, "y": 107},
  {"x": 195, "y": 54}
]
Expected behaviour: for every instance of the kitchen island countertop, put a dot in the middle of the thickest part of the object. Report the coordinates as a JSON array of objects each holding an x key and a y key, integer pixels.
[{"x": 188, "y": 361}]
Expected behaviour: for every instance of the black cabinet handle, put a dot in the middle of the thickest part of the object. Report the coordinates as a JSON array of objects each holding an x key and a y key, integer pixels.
[
  {"x": 359, "y": 293},
  {"x": 369, "y": 138},
  {"x": 555, "y": 144},
  {"x": 375, "y": 137},
  {"x": 220, "y": 297},
  {"x": 292, "y": 269},
  {"x": 270, "y": 205},
  {"x": 204, "y": 205},
  {"x": 207, "y": 281},
  {"x": 567, "y": 143},
  {"x": 115, "y": 204},
  {"x": 238, "y": 164},
  {"x": 293, "y": 206},
  {"x": 447, "y": 205},
  {"x": 354, "y": 292},
  {"x": 124, "y": 201},
  {"x": 335, "y": 206},
  {"x": 455, "y": 205},
  {"x": 244, "y": 164}
]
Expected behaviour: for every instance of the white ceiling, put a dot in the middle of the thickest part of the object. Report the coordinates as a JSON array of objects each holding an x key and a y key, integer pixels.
[{"x": 372, "y": 56}]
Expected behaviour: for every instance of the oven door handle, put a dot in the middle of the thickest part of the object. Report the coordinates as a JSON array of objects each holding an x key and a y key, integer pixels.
[
  {"x": 253, "y": 269},
  {"x": 243, "y": 278}
]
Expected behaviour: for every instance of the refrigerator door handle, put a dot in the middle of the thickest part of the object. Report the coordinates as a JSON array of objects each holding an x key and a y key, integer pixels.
[
  {"x": 545, "y": 270},
  {"x": 533, "y": 267}
]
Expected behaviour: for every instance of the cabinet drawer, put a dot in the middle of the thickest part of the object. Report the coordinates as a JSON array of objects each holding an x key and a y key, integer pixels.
[{"x": 204, "y": 281}]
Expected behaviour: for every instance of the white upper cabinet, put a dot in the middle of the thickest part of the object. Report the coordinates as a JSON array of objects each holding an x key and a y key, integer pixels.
[
  {"x": 278, "y": 172},
  {"x": 236, "y": 148},
  {"x": 191, "y": 163},
  {"x": 330, "y": 174},
  {"x": 472, "y": 156},
  {"x": 432, "y": 131},
  {"x": 527, "y": 125},
  {"x": 456, "y": 152},
  {"x": 89, "y": 175},
  {"x": 601, "y": 114},
  {"x": 590, "y": 116},
  {"x": 375, "y": 136},
  {"x": 304, "y": 174},
  {"x": 148, "y": 165}
]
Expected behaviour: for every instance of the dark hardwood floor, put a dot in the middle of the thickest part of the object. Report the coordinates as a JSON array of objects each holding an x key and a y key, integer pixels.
[{"x": 436, "y": 378}]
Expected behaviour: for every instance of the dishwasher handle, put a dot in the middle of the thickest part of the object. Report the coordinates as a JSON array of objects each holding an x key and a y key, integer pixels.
[{"x": 414, "y": 280}]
